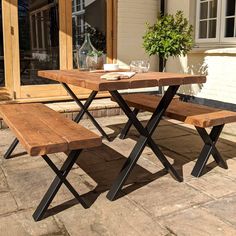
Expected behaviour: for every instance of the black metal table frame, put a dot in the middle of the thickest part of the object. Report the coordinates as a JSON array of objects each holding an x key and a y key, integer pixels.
[
  {"x": 84, "y": 109},
  {"x": 144, "y": 139}
]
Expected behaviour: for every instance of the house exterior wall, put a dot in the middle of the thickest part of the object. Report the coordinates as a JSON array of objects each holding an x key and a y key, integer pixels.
[
  {"x": 132, "y": 17},
  {"x": 216, "y": 61}
]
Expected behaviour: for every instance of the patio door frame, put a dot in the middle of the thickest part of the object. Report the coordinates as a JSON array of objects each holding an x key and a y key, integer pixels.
[{"x": 12, "y": 59}]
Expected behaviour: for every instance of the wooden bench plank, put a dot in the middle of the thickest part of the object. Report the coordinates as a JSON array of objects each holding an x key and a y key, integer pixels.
[
  {"x": 77, "y": 136},
  {"x": 43, "y": 131},
  {"x": 194, "y": 114}
]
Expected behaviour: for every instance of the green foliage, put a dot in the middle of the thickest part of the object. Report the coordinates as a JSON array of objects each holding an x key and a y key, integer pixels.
[
  {"x": 95, "y": 53},
  {"x": 169, "y": 36}
]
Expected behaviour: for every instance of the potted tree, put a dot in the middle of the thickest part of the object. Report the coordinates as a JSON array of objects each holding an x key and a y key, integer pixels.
[{"x": 170, "y": 36}]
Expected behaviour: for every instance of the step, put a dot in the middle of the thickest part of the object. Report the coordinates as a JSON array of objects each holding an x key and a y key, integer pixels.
[{"x": 99, "y": 108}]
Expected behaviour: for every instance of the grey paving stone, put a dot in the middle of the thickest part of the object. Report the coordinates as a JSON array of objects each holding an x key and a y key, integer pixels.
[
  {"x": 22, "y": 224},
  {"x": 197, "y": 222},
  {"x": 165, "y": 195},
  {"x": 189, "y": 145},
  {"x": 110, "y": 218},
  {"x": 7, "y": 203},
  {"x": 29, "y": 182},
  {"x": 3, "y": 182},
  {"x": 230, "y": 172},
  {"x": 224, "y": 209},
  {"x": 214, "y": 184}
]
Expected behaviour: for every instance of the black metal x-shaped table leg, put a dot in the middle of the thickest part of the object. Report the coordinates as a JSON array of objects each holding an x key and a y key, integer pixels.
[
  {"x": 128, "y": 125},
  {"x": 57, "y": 182},
  {"x": 145, "y": 138},
  {"x": 84, "y": 109},
  {"x": 209, "y": 148}
]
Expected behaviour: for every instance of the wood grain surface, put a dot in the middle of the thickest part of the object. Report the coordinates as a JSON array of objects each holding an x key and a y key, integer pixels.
[
  {"x": 42, "y": 130},
  {"x": 93, "y": 81},
  {"x": 189, "y": 113}
]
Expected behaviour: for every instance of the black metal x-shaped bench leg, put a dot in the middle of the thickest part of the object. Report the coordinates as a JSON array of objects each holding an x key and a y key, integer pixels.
[
  {"x": 11, "y": 149},
  {"x": 145, "y": 139},
  {"x": 209, "y": 148},
  {"x": 57, "y": 182}
]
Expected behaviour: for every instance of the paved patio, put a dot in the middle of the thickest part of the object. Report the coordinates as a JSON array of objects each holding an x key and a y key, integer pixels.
[{"x": 152, "y": 203}]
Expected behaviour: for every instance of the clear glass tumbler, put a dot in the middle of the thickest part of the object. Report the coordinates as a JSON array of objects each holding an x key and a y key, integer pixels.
[{"x": 140, "y": 66}]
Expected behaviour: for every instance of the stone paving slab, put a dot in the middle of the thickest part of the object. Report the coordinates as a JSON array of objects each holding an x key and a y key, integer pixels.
[
  {"x": 224, "y": 209},
  {"x": 151, "y": 203},
  {"x": 214, "y": 185},
  {"x": 179, "y": 196},
  {"x": 197, "y": 222},
  {"x": 21, "y": 224},
  {"x": 110, "y": 218}
]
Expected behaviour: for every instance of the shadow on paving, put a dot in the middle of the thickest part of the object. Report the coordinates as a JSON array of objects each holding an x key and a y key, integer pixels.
[
  {"x": 192, "y": 138},
  {"x": 103, "y": 165}
]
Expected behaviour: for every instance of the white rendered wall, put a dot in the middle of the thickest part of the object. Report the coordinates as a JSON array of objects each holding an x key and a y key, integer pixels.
[{"x": 132, "y": 17}]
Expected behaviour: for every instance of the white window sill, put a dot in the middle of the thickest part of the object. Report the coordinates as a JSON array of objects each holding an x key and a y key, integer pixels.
[{"x": 214, "y": 49}]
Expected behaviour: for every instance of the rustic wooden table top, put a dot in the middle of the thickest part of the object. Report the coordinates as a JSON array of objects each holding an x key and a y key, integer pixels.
[{"x": 91, "y": 80}]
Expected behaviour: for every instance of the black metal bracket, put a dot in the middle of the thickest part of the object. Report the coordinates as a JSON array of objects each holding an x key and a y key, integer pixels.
[
  {"x": 145, "y": 139},
  {"x": 209, "y": 148},
  {"x": 57, "y": 183}
]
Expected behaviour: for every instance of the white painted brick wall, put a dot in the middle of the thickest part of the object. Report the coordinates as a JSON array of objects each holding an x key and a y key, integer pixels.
[{"x": 221, "y": 79}]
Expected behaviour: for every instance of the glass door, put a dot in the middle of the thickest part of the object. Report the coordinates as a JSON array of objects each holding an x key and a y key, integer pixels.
[
  {"x": 2, "y": 76},
  {"x": 45, "y": 35},
  {"x": 38, "y": 39}
]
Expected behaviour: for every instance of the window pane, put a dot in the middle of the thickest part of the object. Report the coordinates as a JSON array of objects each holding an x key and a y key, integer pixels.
[
  {"x": 38, "y": 38},
  {"x": 229, "y": 27},
  {"x": 46, "y": 33},
  {"x": 203, "y": 30},
  {"x": 204, "y": 10},
  {"x": 33, "y": 31},
  {"x": 213, "y": 9},
  {"x": 92, "y": 19},
  {"x": 39, "y": 30},
  {"x": 230, "y": 7},
  {"x": 2, "y": 78},
  {"x": 212, "y": 29}
]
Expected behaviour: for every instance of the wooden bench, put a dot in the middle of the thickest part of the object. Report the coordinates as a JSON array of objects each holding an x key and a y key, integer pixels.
[
  {"x": 42, "y": 131},
  {"x": 200, "y": 116}
]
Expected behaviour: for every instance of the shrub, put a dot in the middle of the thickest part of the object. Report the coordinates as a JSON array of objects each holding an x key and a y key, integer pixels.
[{"x": 170, "y": 36}]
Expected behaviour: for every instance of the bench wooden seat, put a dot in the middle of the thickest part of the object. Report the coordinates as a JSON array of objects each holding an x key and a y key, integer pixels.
[
  {"x": 198, "y": 115},
  {"x": 42, "y": 131},
  {"x": 189, "y": 113}
]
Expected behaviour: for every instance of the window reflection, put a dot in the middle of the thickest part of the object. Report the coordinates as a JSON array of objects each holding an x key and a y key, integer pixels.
[
  {"x": 39, "y": 39},
  {"x": 88, "y": 16}
]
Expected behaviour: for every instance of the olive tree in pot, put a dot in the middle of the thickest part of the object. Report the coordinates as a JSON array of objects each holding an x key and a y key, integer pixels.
[{"x": 170, "y": 36}]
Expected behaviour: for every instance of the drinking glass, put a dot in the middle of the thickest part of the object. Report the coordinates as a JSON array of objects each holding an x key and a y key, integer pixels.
[{"x": 139, "y": 66}]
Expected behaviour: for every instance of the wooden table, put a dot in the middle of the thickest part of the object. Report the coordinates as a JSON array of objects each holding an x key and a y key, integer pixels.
[{"x": 93, "y": 82}]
